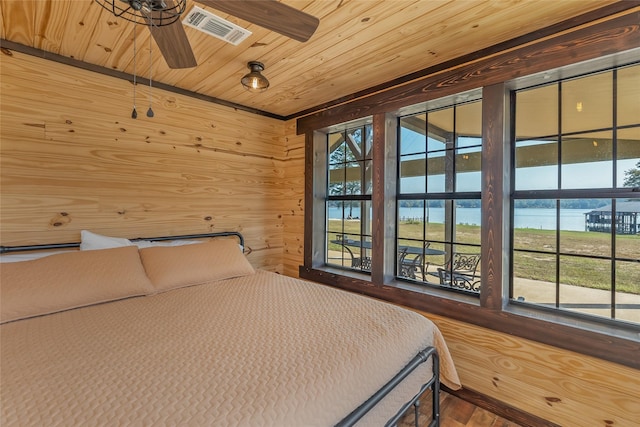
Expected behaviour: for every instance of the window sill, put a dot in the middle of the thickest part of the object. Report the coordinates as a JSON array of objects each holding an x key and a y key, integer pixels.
[{"x": 574, "y": 320}]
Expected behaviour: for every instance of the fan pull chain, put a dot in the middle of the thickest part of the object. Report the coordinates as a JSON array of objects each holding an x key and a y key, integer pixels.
[
  {"x": 150, "y": 111},
  {"x": 134, "y": 113}
]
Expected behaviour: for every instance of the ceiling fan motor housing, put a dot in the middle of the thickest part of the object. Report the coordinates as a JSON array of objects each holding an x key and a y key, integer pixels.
[{"x": 147, "y": 5}]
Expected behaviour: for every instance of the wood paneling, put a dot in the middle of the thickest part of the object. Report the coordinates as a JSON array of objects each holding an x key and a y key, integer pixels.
[
  {"x": 566, "y": 388},
  {"x": 73, "y": 159},
  {"x": 358, "y": 44},
  {"x": 293, "y": 203}
]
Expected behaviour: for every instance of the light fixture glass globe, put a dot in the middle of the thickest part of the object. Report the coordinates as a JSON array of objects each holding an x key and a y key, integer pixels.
[{"x": 255, "y": 81}]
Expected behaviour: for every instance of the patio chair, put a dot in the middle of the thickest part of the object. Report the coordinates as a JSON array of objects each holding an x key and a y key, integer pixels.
[
  {"x": 461, "y": 272},
  {"x": 362, "y": 263},
  {"x": 410, "y": 264},
  {"x": 359, "y": 262}
]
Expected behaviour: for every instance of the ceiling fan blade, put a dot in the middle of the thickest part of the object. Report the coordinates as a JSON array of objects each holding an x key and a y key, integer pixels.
[
  {"x": 173, "y": 43},
  {"x": 269, "y": 14}
]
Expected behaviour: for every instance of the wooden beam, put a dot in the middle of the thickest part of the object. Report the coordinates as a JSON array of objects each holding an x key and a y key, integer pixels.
[{"x": 494, "y": 170}]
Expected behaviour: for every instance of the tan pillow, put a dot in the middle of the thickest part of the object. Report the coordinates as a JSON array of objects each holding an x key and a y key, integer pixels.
[
  {"x": 178, "y": 266},
  {"x": 69, "y": 280}
]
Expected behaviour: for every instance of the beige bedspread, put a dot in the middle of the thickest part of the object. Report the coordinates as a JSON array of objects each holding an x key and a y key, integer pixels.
[{"x": 261, "y": 350}]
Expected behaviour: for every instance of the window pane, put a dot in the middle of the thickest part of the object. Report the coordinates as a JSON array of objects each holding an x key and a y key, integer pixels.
[
  {"x": 462, "y": 268},
  {"x": 368, "y": 177},
  {"x": 573, "y": 238},
  {"x": 353, "y": 184},
  {"x": 337, "y": 254},
  {"x": 628, "y": 95},
  {"x": 355, "y": 142},
  {"x": 435, "y": 220},
  {"x": 628, "y": 157},
  {"x": 469, "y": 123},
  {"x": 468, "y": 219},
  {"x": 413, "y": 134},
  {"x": 587, "y": 161},
  {"x": 412, "y": 173},
  {"x": 534, "y": 277},
  {"x": 628, "y": 229},
  {"x": 368, "y": 142},
  {"x": 337, "y": 174},
  {"x": 587, "y": 103},
  {"x": 411, "y": 220},
  {"x": 337, "y": 148},
  {"x": 536, "y": 165},
  {"x": 436, "y": 166},
  {"x": 534, "y": 225},
  {"x": 628, "y": 291},
  {"x": 574, "y": 296},
  {"x": 599, "y": 219},
  {"x": 349, "y": 234},
  {"x": 537, "y": 112},
  {"x": 468, "y": 169},
  {"x": 335, "y": 217},
  {"x": 439, "y": 143},
  {"x": 440, "y": 128}
]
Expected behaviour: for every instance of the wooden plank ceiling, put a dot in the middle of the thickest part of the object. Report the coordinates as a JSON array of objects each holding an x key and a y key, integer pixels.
[{"x": 359, "y": 44}]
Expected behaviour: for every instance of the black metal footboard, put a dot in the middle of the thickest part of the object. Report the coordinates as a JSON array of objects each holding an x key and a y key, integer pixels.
[{"x": 433, "y": 384}]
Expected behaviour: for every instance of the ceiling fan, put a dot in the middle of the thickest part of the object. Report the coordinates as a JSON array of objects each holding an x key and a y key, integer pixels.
[{"x": 162, "y": 17}]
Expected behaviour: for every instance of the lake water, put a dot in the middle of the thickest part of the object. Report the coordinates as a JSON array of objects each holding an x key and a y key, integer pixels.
[{"x": 542, "y": 219}]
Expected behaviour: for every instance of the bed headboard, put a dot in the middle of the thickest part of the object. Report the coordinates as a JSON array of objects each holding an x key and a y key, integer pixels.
[{"x": 8, "y": 249}]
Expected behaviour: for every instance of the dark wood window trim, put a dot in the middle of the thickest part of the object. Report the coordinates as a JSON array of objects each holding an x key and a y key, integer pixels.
[{"x": 617, "y": 33}]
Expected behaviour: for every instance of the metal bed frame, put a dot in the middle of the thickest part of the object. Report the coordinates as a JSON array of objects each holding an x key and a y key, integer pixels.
[
  {"x": 8, "y": 249},
  {"x": 423, "y": 356}
]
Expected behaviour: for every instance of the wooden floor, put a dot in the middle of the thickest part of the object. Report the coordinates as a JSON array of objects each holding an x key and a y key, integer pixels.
[{"x": 455, "y": 412}]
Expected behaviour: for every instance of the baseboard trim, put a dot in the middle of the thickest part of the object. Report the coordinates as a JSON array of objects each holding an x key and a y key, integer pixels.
[{"x": 497, "y": 407}]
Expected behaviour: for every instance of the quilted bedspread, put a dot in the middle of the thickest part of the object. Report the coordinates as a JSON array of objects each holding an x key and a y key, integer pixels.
[{"x": 260, "y": 350}]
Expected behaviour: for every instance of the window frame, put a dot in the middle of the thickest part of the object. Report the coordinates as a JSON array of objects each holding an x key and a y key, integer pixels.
[
  {"x": 362, "y": 197},
  {"x": 559, "y": 194},
  {"x": 450, "y": 194}
]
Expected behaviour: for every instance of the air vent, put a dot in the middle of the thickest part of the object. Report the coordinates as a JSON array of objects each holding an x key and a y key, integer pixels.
[{"x": 211, "y": 24}]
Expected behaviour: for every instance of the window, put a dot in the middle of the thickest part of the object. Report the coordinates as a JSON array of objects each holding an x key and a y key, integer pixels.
[
  {"x": 439, "y": 215},
  {"x": 348, "y": 202},
  {"x": 575, "y": 240},
  {"x": 543, "y": 167}
]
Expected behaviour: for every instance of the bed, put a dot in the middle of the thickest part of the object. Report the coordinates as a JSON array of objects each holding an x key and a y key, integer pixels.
[{"x": 162, "y": 334}]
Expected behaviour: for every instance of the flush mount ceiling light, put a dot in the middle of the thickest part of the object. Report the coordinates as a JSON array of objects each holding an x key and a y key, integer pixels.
[{"x": 255, "y": 81}]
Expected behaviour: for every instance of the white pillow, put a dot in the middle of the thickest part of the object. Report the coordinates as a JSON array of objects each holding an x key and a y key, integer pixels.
[
  {"x": 141, "y": 244},
  {"x": 91, "y": 241},
  {"x": 28, "y": 256}
]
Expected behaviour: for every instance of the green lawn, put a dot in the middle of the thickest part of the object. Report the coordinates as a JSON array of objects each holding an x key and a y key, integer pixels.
[{"x": 591, "y": 273}]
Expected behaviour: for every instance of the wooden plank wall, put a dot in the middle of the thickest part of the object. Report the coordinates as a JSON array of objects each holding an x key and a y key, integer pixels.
[
  {"x": 294, "y": 202},
  {"x": 73, "y": 159},
  {"x": 564, "y": 387}
]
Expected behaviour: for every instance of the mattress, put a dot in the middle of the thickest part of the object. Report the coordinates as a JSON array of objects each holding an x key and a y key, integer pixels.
[{"x": 259, "y": 350}]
